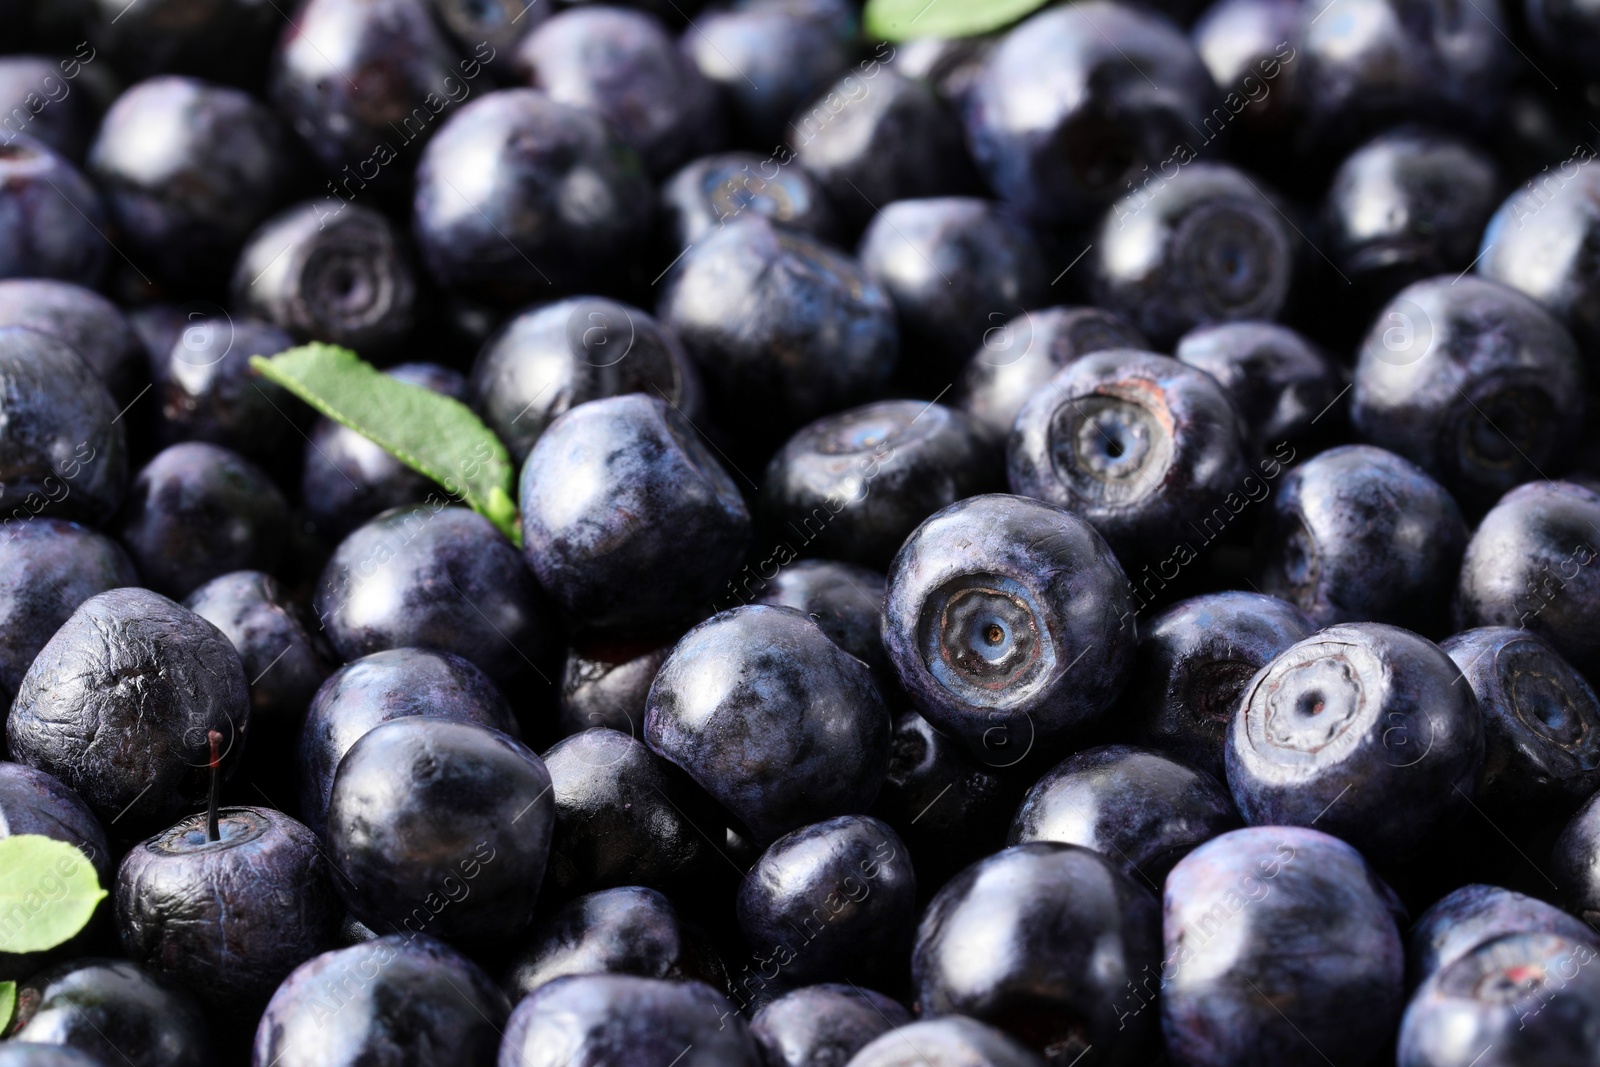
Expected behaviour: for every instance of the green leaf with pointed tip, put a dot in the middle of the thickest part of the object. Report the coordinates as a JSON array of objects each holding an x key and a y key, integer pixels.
[
  {"x": 48, "y": 892},
  {"x": 907, "y": 20},
  {"x": 427, "y": 431},
  {"x": 8, "y": 1004}
]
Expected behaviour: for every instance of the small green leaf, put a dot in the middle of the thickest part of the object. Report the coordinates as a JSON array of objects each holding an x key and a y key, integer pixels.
[
  {"x": 428, "y": 432},
  {"x": 908, "y": 20},
  {"x": 48, "y": 892},
  {"x": 8, "y": 1004}
]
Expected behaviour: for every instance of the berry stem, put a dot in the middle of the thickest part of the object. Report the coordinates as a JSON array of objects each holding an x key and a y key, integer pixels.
[{"x": 215, "y": 737}]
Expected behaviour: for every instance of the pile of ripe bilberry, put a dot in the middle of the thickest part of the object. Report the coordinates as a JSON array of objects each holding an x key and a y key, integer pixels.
[{"x": 1077, "y": 546}]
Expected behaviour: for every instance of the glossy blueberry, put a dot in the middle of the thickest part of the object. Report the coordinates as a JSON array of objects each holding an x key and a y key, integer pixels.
[
  {"x": 549, "y": 359},
  {"x": 1525, "y": 998},
  {"x": 626, "y": 930},
  {"x": 844, "y": 599},
  {"x": 119, "y": 703},
  {"x": 1004, "y": 621},
  {"x": 442, "y": 827},
  {"x": 950, "y": 807},
  {"x": 1279, "y": 942},
  {"x": 1249, "y": 48},
  {"x": 37, "y": 99},
  {"x": 90, "y": 324},
  {"x": 1080, "y": 101},
  {"x": 623, "y": 816},
  {"x": 209, "y": 392},
  {"x": 1528, "y": 566},
  {"x": 1541, "y": 723},
  {"x": 1360, "y": 730},
  {"x": 1357, "y": 534},
  {"x": 497, "y": 23},
  {"x": 402, "y": 999},
  {"x": 951, "y": 1041},
  {"x": 348, "y": 478},
  {"x": 1149, "y": 450},
  {"x": 956, "y": 268},
  {"x": 33, "y": 802},
  {"x": 751, "y": 289},
  {"x": 47, "y": 568},
  {"x": 951, "y": 65},
  {"x": 621, "y": 1020},
  {"x": 197, "y": 511},
  {"x": 498, "y": 206},
  {"x": 772, "y": 719},
  {"x": 1141, "y": 810},
  {"x": 385, "y": 587},
  {"x": 62, "y": 452},
  {"x": 1472, "y": 381},
  {"x": 1040, "y": 940},
  {"x": 1207, "y": 245},
  {"x": 1538, "y": 241},
  {"x": 610, "y": 494},
  {"x": 189, "y": 169},
  {"x": 1020, "y": 355},
  {"x": 1469, "y": 916},
  {"x": 284, "y": 656},
  {"x": 624, "y": 66},
  {"x": 606, "y": 684},
  {"x": 1408, "y": 204},
  {"x": 673, "y": 12},
  {"x": 1280, "y": 383},
  {"x": 1388, "y": 60},
  {"x": 392, "y": 684},
  {"x": 767, "y": 57},
  {"x": 823, "y": 1025},
  {"x": 228, "y": 918},
  {"x": 51, "y": 217},
  {"x": 228, "y": 40},
  {"x": 717, "y": 189},
  {"x": 114, "y": 1011},
  {"x": 362, "y": 82},
  {"x": 852, "y": 485},
  {"x": 834, "y": 900},
  {"x": 1575, "y": 863},
  {"x": 1193, "y": 661},
  {"x": 338, "y": 274},
  {"x": 869, "y": 143}
]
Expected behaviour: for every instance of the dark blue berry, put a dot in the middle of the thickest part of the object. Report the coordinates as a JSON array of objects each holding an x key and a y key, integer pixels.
[
  {"x": 1008, "y": 622},
  {"x": 772, "y": 719}
]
